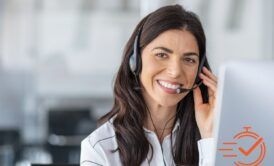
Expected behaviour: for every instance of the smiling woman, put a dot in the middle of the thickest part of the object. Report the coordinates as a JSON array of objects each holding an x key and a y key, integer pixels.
[{"x": 162, "y": 114}]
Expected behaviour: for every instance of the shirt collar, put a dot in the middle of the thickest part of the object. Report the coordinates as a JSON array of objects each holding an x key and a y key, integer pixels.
[{"x": 177, "y": 124}]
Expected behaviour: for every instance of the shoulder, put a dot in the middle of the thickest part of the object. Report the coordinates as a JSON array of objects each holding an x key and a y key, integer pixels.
[
  {"x": 99, "y": 144},
  {"x": 104, "y": 134}
]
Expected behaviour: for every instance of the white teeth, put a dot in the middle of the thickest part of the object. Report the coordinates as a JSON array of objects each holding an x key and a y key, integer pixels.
[{"x": 168, "y": 85}]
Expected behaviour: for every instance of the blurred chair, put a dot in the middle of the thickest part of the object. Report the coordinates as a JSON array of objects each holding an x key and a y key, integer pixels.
[
  {"x": 66, "y": 129},
  {"x": 9, "y": 146}
]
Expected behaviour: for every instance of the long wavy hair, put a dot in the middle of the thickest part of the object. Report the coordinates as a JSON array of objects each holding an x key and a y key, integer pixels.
[{"x": 129, "y": 105}]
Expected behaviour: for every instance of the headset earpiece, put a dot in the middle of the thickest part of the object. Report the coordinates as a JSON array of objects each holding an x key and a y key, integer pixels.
[{"x": 135, "y": 60}]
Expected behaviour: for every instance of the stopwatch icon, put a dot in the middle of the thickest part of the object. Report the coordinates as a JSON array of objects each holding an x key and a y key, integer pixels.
[{"x": 241, "y": 152}]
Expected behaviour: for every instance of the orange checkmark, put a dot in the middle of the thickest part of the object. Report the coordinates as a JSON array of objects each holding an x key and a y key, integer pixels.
[{"x": 251, "y": 149}]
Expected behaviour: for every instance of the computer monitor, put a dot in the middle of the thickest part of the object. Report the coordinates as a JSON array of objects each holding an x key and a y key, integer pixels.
[{"x": 245, "y": 114}]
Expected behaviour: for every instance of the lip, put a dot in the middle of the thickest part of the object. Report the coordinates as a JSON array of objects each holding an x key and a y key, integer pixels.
[{"x": 168, "y": 90}]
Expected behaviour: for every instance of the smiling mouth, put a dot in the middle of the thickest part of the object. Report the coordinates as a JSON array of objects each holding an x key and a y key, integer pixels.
[{"x": 169, "y": 87}]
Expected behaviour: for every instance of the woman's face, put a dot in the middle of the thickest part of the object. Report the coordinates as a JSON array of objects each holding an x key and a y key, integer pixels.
[{"x": 169, "y": 60}]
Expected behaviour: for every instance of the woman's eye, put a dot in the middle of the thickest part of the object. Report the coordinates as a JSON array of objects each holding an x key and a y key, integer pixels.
[
  {"x": 161, "y": 55},
  {"x": 190, "y": 60}
]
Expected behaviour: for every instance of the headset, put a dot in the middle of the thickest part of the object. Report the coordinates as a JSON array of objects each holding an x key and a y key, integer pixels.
[{"x": 135, "y": 64}]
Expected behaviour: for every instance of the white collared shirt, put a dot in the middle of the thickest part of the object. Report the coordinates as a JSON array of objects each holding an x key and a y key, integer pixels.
[{"x": 96, "y": 148}]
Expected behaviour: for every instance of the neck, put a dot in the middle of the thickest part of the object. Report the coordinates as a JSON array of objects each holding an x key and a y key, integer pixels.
[{"x": 160, "y": 119}]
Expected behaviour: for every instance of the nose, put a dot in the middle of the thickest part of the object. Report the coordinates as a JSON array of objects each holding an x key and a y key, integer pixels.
[{"x": 174, "y": 69}]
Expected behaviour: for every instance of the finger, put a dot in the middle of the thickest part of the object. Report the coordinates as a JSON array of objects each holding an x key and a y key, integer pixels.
[
  {"x": 212, "y": 85},
  {"x": 210, "y": 74},
  {"x": 207, "y": 79},
  {"x": 197, "y": 96}
]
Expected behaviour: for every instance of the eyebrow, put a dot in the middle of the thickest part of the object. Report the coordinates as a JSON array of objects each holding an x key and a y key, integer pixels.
[{"x": 171, "y": 51}]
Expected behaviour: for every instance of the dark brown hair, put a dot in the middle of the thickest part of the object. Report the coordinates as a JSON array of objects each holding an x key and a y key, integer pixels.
[{"x": 129, "y": 105}]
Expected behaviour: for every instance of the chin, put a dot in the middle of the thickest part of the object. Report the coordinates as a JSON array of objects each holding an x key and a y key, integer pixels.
[{"x": 168, "y": 103}]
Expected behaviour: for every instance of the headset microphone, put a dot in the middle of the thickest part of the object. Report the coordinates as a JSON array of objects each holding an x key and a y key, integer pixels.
[{"x": 183, "y": 90}]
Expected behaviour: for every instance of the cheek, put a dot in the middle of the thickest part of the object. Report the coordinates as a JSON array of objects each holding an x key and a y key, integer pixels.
[
  {"x": 150, "y": 68},
  {"x": 147, "y": 75},
  {"x": 191, "y": 74}
]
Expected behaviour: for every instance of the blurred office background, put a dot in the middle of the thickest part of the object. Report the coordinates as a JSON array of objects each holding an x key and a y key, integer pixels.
[{"x": 58, "y": 60}]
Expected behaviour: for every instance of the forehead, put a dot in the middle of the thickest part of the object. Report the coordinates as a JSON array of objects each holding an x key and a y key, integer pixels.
[{"x": 177, "y": 40}]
